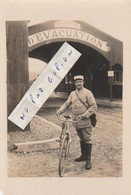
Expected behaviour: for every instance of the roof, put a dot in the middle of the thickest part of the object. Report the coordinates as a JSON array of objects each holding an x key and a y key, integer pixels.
[{"x": 76, "y": 31}]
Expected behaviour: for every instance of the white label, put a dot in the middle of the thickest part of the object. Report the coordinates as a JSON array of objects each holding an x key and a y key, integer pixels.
[
  {"x": 1, "y": 193},
  {"x": 44, "y": 85},
  {"x": 110, "y": 73}
]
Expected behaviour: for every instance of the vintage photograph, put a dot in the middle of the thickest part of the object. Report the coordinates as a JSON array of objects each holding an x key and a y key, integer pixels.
[{"x": 77, "y": 131}]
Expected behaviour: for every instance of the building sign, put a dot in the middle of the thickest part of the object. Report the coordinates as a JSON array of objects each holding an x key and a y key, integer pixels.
[
  {"x": 53, "y": 34},
  {"x": 44, "y": 85},
  {"x": 67, "y": 24},
  {"x": 110, "y": 73}
]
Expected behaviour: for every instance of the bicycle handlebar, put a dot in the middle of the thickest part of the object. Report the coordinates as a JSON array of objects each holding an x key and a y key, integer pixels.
[{"x": 67, "y": 117}]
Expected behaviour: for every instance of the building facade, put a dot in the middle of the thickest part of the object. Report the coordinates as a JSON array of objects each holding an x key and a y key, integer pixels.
[{"x": 101, "y": 62}]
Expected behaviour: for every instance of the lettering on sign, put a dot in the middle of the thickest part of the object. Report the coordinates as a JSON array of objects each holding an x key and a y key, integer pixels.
[
  {"x": 68, "y": 24},
  {"x": 44, "y": 85},
  {"x": 69, "y": 34}
]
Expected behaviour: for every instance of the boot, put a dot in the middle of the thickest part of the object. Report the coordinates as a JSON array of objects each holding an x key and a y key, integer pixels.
[
  {"x": 88, "y": 156},
  {"x": 83, "y": 153}
]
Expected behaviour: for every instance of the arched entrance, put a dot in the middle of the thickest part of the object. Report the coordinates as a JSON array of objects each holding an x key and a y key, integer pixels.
[{"x": 92, "y": 65}]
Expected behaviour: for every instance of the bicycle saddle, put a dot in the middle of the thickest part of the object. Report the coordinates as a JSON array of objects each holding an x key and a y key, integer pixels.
[{"x": 67, "y": 117}]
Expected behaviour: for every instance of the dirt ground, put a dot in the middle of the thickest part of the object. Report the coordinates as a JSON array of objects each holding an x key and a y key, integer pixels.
[{"x": 106, "y": 152}]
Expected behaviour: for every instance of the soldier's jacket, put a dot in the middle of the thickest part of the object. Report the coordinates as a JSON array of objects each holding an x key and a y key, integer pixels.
[{"x": 78, "y": 108}]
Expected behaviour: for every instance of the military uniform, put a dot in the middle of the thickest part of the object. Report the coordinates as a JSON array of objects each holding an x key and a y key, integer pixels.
[{"x": 83, "y": 127}]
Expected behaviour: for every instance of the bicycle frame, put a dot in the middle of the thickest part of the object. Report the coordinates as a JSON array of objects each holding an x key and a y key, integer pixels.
[
  {"x": 65, "y": 139},
  {"x": 65, "y": 131}
]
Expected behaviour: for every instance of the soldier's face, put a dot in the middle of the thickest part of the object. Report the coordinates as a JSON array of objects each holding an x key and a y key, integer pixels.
[{"x": 79, "y": 84}]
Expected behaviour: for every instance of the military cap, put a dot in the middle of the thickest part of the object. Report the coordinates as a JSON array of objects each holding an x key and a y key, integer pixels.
[{"x": 78, "y": 77}]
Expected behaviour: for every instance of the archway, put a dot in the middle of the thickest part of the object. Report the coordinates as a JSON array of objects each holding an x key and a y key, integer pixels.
[{"x": 92, "y": 65}]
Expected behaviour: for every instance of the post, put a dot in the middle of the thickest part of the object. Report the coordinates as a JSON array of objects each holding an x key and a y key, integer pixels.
[
  {"x": 110, "y": 89},
  {"x": 17, "y": 65},
  {"x": 110, "y": 77}
]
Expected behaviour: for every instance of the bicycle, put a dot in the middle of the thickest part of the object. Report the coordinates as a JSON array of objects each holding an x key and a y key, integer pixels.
[{"x": 65, "y": 139}]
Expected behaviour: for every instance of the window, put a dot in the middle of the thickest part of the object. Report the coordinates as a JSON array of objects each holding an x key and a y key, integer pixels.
[
  {"x": 118, "y": 75},
  {"x": 117, "y": 80}
]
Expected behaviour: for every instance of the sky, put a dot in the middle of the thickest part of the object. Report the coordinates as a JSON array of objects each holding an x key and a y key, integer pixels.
[{"x": 35, "y": 67}]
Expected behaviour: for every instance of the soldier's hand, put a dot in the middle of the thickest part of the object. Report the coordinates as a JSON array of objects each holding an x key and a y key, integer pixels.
[{"x": 83, "y": 116}]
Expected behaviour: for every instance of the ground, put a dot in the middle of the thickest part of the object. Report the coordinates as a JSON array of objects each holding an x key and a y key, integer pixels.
[{"x": 106, "y": 152}]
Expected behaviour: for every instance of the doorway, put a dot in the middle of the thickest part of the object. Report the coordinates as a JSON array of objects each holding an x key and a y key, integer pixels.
[{"x": 92, "y": 65}]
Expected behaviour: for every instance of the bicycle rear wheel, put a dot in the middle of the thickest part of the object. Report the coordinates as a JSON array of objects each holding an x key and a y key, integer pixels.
[{"x": 64, "y": 156}]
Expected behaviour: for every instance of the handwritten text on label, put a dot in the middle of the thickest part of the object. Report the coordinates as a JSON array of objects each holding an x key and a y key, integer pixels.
[{"x": 44, "y": 85}]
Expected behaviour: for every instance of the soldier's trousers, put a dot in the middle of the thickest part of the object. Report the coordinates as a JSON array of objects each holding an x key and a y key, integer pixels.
[{"x": 85, "y": 134}]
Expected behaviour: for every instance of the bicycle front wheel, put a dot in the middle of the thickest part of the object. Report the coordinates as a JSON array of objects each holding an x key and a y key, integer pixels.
[{"x": 64, "y": 156}]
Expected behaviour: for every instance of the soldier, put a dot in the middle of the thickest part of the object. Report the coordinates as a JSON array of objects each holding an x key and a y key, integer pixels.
[{"x": 83, "y": 105}]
